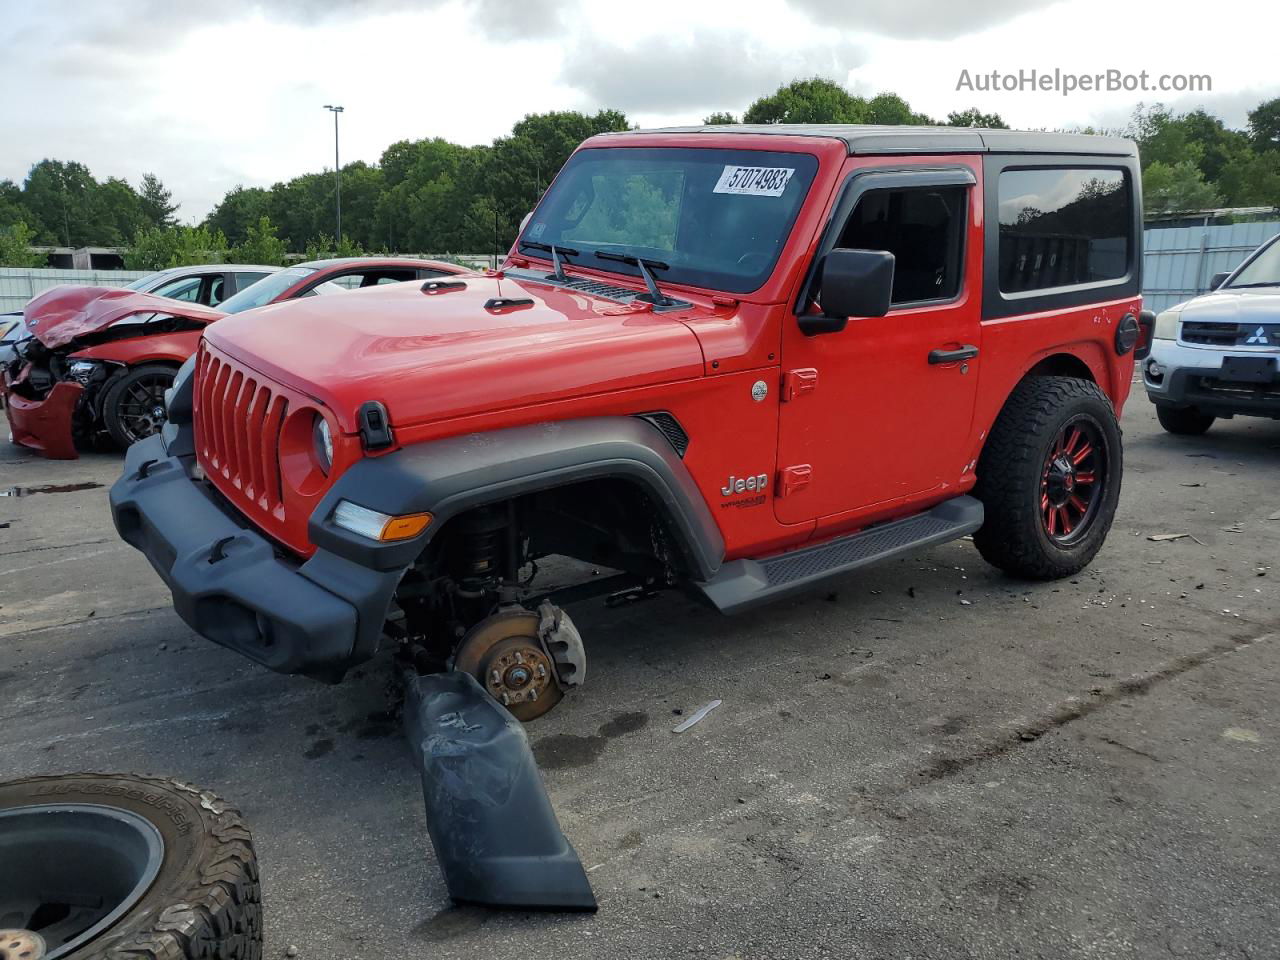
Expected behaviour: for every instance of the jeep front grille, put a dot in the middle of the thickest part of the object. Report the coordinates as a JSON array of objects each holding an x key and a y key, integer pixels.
[{"x": 237, "y": 423}]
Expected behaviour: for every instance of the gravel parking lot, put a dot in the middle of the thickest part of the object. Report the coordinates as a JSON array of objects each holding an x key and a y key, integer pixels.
[{"x": 931, "y": 761}]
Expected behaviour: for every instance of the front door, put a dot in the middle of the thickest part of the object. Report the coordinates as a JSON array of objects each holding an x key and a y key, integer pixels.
[{"x": 879, "y": 414}]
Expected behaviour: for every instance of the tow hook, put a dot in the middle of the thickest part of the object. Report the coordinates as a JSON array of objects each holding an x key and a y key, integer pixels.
[{"x": 495, "y": 834}]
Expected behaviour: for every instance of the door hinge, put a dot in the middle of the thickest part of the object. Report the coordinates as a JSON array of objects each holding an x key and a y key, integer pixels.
[
  {"x": 794, "y": 479},
  {"x": 795, "y": 383}
]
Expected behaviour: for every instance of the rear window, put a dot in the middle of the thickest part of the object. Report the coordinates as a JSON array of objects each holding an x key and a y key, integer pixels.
[{"x": 1063, "y": 227}]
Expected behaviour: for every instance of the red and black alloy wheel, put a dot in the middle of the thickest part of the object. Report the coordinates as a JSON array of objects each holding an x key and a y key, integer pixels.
[
  {"x": 1049, "y": 478},
  {"x": 1073, "y": 481}
]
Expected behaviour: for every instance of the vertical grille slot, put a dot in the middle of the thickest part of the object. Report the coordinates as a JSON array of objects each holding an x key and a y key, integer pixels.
[{"x": 238, "y": 422}]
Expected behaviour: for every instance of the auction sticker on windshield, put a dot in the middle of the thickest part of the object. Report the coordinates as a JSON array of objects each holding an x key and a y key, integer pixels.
[{"x": 754, "y": 181}]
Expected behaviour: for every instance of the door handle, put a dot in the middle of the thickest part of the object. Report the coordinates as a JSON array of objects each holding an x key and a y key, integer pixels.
[{"x": 967, "y": 352}]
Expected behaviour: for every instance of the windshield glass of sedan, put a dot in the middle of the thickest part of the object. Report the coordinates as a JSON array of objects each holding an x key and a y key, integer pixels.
[
  {"x": 715, "y": 218},
  {"x": 1264, "y": 271},
  {"x": 264, "y": 291}
]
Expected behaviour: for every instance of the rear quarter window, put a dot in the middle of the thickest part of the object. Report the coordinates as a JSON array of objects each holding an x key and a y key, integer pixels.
[
  {"x": 1063, "y": 227},
  {"x": 1061, "y": 231}
]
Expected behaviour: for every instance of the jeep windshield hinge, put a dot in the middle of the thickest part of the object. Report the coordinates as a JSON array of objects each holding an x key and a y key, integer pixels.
[{"x": 375, "y": 428}]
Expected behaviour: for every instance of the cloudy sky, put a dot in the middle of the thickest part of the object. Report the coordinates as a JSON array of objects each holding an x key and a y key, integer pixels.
[{"x": 211, "y": 94}]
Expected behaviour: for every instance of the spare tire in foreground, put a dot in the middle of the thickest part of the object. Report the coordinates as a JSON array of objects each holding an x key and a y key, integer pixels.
[{"x": 108, "y": 866}]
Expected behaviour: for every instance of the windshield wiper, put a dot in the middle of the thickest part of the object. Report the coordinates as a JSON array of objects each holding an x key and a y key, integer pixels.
[
  {"x": 1265, "y": 283},
  {"x": 558, "y": 267},
  {"x": 654, "y": 296}
]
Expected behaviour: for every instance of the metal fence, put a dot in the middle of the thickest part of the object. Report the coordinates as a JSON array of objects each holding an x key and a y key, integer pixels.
[
  {"x": 18, "y": 285},
  {"x": 1179, "y": 262}
]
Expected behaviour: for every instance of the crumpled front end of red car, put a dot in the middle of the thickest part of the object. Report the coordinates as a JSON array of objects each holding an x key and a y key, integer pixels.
[{"x": 45, "y": 425}]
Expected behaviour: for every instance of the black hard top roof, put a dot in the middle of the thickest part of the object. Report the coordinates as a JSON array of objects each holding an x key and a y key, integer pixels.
[{"x": 866, "y": 138}]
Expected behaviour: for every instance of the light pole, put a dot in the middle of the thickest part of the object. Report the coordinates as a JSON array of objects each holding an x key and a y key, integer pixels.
[{"x": 337, "y": 173}]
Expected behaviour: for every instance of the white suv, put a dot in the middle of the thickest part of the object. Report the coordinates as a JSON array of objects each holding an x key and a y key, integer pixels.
[{"x": 1219, "y": 354}]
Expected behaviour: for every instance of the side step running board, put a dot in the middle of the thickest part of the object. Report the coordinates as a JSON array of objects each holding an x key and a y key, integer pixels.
[{"x": 743, "y": 584}]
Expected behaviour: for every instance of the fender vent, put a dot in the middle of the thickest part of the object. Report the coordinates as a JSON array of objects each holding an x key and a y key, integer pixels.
[{"x": 670, "y": 428}]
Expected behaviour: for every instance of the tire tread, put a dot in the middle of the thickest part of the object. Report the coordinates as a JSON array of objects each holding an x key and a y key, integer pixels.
[{"x": 219, "y": 915}]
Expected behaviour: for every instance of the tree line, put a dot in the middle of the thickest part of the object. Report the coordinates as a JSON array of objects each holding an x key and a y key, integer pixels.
[{"x": 433, "y": 196}]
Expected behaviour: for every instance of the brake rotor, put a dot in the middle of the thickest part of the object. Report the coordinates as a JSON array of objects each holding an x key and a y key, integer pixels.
[
  {"x": 21, "y": 945},
  {"x": 504, "y": 653}
]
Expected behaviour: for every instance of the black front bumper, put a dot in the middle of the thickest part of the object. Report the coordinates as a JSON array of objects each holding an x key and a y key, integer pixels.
[
  {"x": 233, "y": 586},
  {"x": 1204, "y": 389}
]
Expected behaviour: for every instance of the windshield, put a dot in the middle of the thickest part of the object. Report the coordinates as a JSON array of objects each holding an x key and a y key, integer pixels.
[
  {"x": 265, "y": 290},
  {"x": 708, "y": 217},
  {"x": 1262, "y": 271},
  {"x": 142, "y": 283}
]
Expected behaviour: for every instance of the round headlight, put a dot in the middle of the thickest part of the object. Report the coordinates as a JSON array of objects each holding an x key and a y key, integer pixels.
[{"x": 324, "y": 442}]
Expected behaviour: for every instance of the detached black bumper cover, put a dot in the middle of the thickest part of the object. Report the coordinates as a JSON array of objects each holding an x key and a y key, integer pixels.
[
  {"x": 495, "y": 834},
  {"x": 318, "y": 618}
]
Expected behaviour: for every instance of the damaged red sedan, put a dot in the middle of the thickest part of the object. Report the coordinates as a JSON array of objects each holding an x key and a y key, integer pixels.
[{"x": 99, "y": 359}]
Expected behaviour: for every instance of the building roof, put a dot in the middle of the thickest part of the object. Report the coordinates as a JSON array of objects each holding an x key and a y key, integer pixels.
[{"x": 870, "y": 139}]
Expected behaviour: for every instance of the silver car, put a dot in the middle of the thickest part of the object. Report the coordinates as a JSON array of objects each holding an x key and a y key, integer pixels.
[{"x": 1218, "y": 355}]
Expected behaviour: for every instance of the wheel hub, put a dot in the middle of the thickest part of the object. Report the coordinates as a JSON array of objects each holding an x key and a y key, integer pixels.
[
  {"x": 504, "y": 653},
  {"x": 21, "y": 945},
  {"x": 1061, "y": 481},
  {"x": 68, "y": 872}
]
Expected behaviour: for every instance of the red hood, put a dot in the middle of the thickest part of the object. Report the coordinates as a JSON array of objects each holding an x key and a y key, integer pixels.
[
  {"x": 60, "y": 315},
  {"x": 443, "y": 355}
]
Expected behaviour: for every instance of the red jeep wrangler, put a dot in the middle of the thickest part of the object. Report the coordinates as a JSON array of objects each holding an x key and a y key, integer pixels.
[{"x": 742, "y": 360}]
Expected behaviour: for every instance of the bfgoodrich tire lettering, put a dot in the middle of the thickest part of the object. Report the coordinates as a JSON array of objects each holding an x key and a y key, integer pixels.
[
  {"x": 1013, "y": 470},
  {"x": 204, "y": 902}
]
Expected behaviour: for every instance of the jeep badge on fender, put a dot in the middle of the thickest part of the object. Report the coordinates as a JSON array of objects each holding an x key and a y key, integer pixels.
[
  {"x": 743, "y": 484},
  {"x": 595, "y": 418}
]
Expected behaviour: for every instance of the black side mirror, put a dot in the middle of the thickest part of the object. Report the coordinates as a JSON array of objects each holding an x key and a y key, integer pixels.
[
  {"x": 855, "y": 283},
  {"x": 1218, "y": 280}
]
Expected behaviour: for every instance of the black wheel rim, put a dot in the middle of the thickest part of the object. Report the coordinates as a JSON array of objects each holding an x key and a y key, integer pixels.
[
  {"x": 1073, "y": 481},
  {"x": 140, "y": 408},
  {"x": 70, "y": 871}
]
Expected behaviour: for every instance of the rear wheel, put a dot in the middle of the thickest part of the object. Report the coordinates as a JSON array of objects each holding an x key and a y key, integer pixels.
[
  {"x": 1049, "y": 478},
  {"x": 1184, "y": 421},
  {"x": 107, "y": 867},
  {"x": 133, "y": 402}
]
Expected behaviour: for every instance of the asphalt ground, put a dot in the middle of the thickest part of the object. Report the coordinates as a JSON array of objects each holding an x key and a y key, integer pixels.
[{"x": 927, "y": 760}]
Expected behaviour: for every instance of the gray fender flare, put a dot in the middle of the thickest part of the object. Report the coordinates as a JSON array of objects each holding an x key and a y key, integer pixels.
[{"x": 448, "y": 477}]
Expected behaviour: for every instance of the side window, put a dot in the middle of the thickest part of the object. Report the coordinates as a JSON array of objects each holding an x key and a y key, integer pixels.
[
  {"x": 923, "y": 227},
  {"x": 217, "y": 290},
  {"x": 186, "y": 289},
  {"x": 248, "y": 279},
  {"x": 1063, "y": 227},
  {"x": 388, "y": 275}
]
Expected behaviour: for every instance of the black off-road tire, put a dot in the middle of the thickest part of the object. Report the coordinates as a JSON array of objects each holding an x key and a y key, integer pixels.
[
  {"x": 204, "y": 903},
  {"x": 1013, "y": 535},
  {"x": 1184, "y": 421},
  {"x": 117, "y": 392}
]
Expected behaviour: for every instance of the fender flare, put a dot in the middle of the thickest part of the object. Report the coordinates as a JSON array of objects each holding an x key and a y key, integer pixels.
[{"x": 448, "y": 477}]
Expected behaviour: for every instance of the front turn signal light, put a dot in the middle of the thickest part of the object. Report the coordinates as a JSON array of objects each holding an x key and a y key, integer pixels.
[{"x": 383, "y": 527}]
